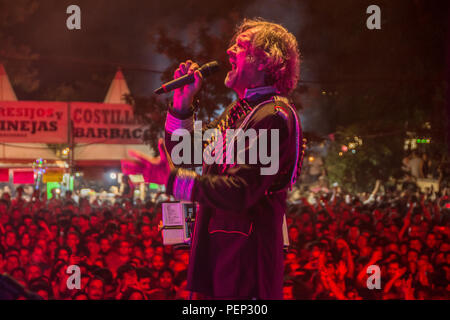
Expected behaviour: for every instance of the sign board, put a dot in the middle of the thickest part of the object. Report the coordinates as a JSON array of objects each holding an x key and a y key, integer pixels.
[
  {"x": 106, "y": 123},
  {"x": 30, "y": 121},
  {"x": 53, "y": 176},
  {"x": 47, "y": 122},
  {"x": 23, "y": 176}
]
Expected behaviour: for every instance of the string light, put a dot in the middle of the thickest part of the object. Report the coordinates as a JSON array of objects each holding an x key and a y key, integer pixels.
[{"x": 423, "y": 140}]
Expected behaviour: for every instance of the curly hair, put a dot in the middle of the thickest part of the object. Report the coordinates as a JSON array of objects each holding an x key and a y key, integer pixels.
[{"x": 279, "y": 48}]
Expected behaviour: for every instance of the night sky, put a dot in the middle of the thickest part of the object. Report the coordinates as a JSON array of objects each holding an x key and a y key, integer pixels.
[{"x": 119, "y": 33}]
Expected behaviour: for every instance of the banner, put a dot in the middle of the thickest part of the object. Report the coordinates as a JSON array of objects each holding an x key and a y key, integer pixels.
[
  {"x": 53, "y": 176},
  {"x": 23, "y": 177},
  {"x": 106, "y": 123},
  {"x": 32, "y": 121},
  {"x": 4, "y": 175},
  {"x": 46, "y": 122}
]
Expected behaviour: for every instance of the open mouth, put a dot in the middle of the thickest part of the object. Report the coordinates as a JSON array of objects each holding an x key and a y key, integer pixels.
[{"x": 233, "y": 65}]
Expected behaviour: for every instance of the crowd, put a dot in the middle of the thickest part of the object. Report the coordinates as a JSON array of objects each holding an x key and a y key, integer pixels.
[
  {"x": 334, "y": 238},
  {"x": 421, "y": 165},
  {"x": 118, "y": 249},
  {"x": 342, "y": 243}
]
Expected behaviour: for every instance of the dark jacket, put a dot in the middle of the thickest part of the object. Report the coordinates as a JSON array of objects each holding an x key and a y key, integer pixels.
[{"x": 237, "y": 245}]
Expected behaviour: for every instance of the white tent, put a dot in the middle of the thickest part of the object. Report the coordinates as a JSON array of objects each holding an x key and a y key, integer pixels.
[
  {"x": 117, "y": 89},
  {"x": 6, "y": 90},
  {"x": 92, "y": 153}
]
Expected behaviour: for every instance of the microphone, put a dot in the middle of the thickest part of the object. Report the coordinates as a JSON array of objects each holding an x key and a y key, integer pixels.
[{"x": 206, "y": 70}]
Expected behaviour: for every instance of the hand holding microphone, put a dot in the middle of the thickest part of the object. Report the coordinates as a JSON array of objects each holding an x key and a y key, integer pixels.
[
  {"x": 183, "y": 97},
  {"x": 187, "y": 82}
]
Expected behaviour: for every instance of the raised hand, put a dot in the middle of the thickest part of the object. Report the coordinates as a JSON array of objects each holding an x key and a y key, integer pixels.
[
  {"x": 184, "y": 96},
  {"x": 399, "y": 273},
  {"x": 376, "y": 256},
  {"x": 342, "y": 269},
  {"x": 154, "y": 170}
]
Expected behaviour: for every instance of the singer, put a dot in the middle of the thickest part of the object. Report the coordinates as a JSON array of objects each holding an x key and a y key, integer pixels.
[{"x": 237, "y": 245}]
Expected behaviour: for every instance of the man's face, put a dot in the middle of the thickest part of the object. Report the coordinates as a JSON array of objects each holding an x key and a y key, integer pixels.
[
  {"x": 166, "y": 280},
  {"x": 24, "y": 256},
  {"x": 415, "y": 244},
  {"x": 290, "y": 258},
  {"x": 72, "y": 240},
  {"x": 104, "y": 245},
  {"x": 63, "y": 255},
  {"x": 75, "y": 220},
  {"x": 146, "y": 232},
  {"x": 144, "y": 283},
  {"x": 392, "y": 269},
  {"x": 315, "y": 252},
  {"x": 414, "y": 231},
  {"x": 34, "y": 272},
  {"x": 440, "y": 258},
  {"x": 95, "y": 290},
  {"x": 94, "y": 220},
  {"x": 148, "y": 253},
  {"x": 146, "y": 219},
  {"x": 412, "y": 256},
  {"x": 308, "y": 229},
  {"x": 124, "y": 248},
  {"x": 158, "y": 262},
  {"x": 147, "y": 242},
  {"x": 244, "y": 71},
  {"x": 10, "y": 239},
  {"x": 93, "y": 247},
  {"x": 431, "y": 241},
  {"x": 38, "y": 255},
  {"x": 130, "y": 278},
  {"x": 178, "y": 267},
  {"x": 361, "y": 242},
  {"x": 293, "y": 234},
  {"x": 12, "y": 262},
  {"x": 185, "y": 258},
  {"x": 305, "y": 217},
  {"x": 84, "y": 223},
  {"x": 159, "y": 250},
  {"x": 366, "y": 251},
  {"x": 354, "y": 232}
]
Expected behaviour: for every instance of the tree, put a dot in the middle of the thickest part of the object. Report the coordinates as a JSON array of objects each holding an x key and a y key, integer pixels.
[
  {"x": 357, "y": 160},
  {"x": 376, "y": 84}
]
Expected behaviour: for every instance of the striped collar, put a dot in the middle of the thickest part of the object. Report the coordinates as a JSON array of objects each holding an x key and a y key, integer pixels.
[{"x": 256, "y": 93}]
